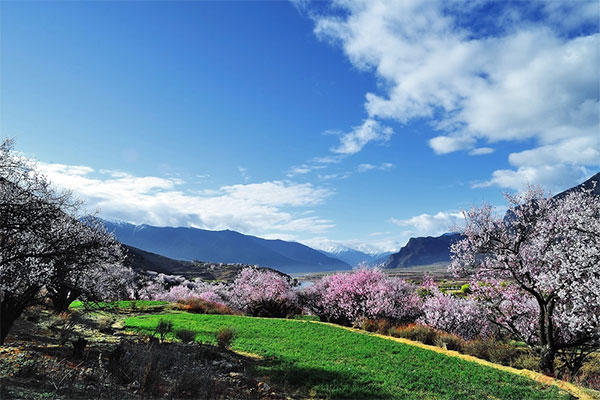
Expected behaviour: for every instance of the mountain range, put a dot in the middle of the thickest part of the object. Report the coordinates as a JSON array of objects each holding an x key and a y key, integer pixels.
[
  {"x": 429, "y": 250},
  {"x": 423, "y": 251},
  {"x": 354, "y": 257},
  {"x": 141, "y": 260},
  {"x": 192, "y": 244},
  {"x": 183, "y": 245}
]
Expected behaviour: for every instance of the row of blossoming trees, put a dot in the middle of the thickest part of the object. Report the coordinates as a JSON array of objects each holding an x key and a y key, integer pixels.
[
  {"x": 535, "y": 271},
  {"x": 49, "y": 253},
  {"x": 535, "y": 276}
]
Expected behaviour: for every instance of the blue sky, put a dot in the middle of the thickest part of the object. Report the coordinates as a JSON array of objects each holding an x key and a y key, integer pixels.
[{"x": 356, "y": 123}]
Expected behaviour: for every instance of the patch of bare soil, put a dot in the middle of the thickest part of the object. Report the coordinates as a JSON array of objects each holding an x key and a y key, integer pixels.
[{"x": 81, "y": 357}]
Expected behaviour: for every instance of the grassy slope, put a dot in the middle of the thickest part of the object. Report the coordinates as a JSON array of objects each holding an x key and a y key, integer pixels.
[{"x": 330, "y": 362}]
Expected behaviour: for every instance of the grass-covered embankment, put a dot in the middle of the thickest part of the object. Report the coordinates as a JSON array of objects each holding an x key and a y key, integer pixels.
[{"x": 327, "y": 361}]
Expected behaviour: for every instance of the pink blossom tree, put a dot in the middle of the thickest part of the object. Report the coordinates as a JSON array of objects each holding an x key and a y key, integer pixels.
[
  {"x": 463, "y": 317},
  {"x": 263, "y": 293},
  {"x": 344, "y": 298},
  {"x": 540, "y": 268}
]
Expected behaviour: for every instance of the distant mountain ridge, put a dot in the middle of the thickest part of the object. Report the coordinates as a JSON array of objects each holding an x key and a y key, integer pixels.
[
  {"x": 354, "y": 257},
  {"x": 188, "y": 244},
  {"x": 430, "y": 250},
  {"x": 424, "y": 251},
  {"x": 141, "y": 260},
  {"x": 592, "y": 183}
]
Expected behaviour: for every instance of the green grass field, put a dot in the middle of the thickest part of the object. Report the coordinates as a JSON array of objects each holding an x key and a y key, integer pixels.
[{"x": 325, "y": 361}]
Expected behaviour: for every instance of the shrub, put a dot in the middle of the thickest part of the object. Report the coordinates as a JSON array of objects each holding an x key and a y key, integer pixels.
[
  {"x": 366, "y": 324},
  {"x": 185, "y": 335},
  {"x": 383, "y": 326},
  {"x": 449, "y": 341},
  {"x": 589, "y": 374},
  {"x": 200, "y": 306},
  {"x": 65, "y": 325},
  {"x": 526, "y": 361},
  {"x": 163, "y": 329},
  {"x": 420, "y": 333},
  {"x": 225, "y": 336},
  {"x": 502, "y": 353},
  {"x": 492, "y": 350}
]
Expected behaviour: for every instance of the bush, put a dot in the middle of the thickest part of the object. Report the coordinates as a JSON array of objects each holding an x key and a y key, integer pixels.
[
  {"x": 526, "y": 361},
  {"x": 366, "y": 324},
  {"x": 201, "y": 306},
  {"x": 589, "y": 374},
  {"x": 493, "y": 350},
  {"x": 185, "y": 335},
  {"x": 419, "y": 333},
  {"x": 65, "y": 326},
  {"x": 449, "y": 341},
  {"x": 225, "y": 337},
  {"x": 163, "y": 329}
]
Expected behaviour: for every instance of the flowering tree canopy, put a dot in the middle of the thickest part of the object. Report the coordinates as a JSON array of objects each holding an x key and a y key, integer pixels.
[
  {"x": 44, "y": 247},
  {"x": 263, "y": 293},
  {"x": 365, "y": 293},
  {"x": 538, "y": 269}
]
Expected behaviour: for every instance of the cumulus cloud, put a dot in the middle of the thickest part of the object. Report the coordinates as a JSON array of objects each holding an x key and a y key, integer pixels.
[
  {"x": 510, "y": 78},
  {"x": 432, "y": 225},
  {"x": 369, "y": 131},
  {"x": 552, "y": 177},
  {"x": 249, "y": 208}
]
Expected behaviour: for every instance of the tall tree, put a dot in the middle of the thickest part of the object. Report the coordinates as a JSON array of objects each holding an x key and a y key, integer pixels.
[{"x": 538, "y": 270}]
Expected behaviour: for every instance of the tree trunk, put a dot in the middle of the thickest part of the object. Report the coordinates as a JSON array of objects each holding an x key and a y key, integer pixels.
[
  {"x": 547, "y": 340},
  {"x": 11, "y": 309},
  {"x": 61, "y": 299},
  {"x": 8, "y": 316},
  {"x": 547, "y": 355}
]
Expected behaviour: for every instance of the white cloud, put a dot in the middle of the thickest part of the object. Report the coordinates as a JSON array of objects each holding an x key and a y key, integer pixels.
[
  {"x": 244, "y": 173},
  {"x": 432, "y": 225},
  {"x": 481, "y": 151},
  {"x": 249, "y": 208},
  {"x": 369, "y": 131},
  {"x": 365, "y": 167},
  {"x": 552, "y": 177},
  {"x": 521, "y": 78},
  {"x": 368, "y": 167},
  {"x": 303, "y": 169}
]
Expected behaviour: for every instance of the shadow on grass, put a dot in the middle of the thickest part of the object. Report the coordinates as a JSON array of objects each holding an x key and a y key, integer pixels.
[{"x": 319, "y": 382}]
